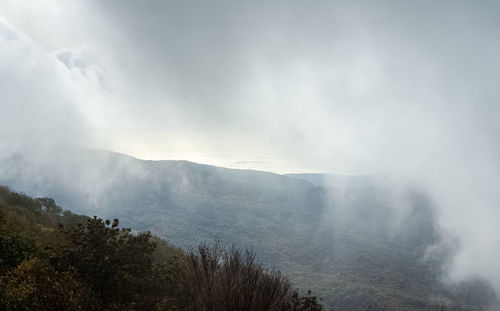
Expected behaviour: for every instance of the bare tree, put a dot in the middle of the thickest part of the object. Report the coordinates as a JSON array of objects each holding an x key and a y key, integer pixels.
[{"x": 233, "y": 280}]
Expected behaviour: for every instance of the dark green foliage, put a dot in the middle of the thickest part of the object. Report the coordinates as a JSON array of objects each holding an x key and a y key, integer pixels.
[
  {"x": 50, "y": 260},
  {"x": 116, "y": 264},
  {"x": 70, "y": 219},
  {"x": 50, "y": 206},
  {"x": 14, "y": 249},
  {"x": 53, "y": 260},
  {"x": 171, "y": 281},
  {"x": 18, "y": 199},
  {"x": 305, "y": 303},
  {"x": 164, "y": 252},
  {"x": 36, "y": 285},
  {"x": 353, "y": 245}
]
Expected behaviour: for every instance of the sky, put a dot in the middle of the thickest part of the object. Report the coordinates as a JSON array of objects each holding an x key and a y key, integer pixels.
[
  {"x": 286, "y": 86},
  {"x": 407, "y": 88}
]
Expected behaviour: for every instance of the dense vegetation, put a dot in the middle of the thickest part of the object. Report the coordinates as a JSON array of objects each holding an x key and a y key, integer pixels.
[
  {"x": 52, "y": 259},
  {"x": 357, "y": 242}
]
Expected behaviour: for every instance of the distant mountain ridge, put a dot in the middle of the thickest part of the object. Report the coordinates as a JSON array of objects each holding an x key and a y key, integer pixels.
[
  {"x": 338, "y": 181},
  {"x": 355, "y": 240}
]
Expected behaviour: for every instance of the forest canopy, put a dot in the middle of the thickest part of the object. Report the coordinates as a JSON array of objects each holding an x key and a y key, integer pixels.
[{"x": 54, "y": 259}]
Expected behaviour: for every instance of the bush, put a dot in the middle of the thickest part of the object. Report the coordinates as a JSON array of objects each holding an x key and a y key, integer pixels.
[{"x": 233, "y": 279}]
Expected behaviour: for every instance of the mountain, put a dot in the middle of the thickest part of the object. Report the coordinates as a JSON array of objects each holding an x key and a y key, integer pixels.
[
  {"x": 339, "y": 181},
  {"x": 353, "y": 240}
]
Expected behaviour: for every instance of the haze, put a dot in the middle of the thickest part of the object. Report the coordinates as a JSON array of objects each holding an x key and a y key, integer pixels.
[{"x": 407, "y": 89}]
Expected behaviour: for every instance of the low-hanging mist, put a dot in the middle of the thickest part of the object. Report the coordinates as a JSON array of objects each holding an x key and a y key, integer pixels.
[{"x": 407, "y": 90}]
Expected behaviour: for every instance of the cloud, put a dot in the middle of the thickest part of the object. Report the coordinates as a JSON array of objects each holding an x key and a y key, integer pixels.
[
  {"x": 395, "y": 88},
  {"x": 37, "y": 96},
  {"x": 407, "y": 89},
  {"x": 51, "y": 95}
]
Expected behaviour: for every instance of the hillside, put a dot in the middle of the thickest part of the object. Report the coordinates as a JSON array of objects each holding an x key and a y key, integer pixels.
[
  {"x": 365, "y": 243},
  {"x": 52, "y": 259}
]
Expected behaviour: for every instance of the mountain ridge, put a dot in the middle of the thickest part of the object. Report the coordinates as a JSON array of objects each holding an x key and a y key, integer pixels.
[{"x": 353, "y": 246}]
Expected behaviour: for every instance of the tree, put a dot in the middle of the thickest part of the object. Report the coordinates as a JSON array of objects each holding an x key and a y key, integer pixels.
[
  {"x": 303, "y": 303},
  {"x": 115, "y": 263},
  {"x": 35, "y": 285},
  {"x": 50, "y": 206},
  {"x": 233, "y": 279},
  {"x": 14, "y": 249}
]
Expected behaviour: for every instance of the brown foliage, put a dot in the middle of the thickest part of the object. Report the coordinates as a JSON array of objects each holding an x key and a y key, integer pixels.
[{"x": 232, "y": 279}]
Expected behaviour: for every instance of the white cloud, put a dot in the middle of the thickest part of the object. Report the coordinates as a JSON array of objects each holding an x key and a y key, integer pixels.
[{"x": 405, "y": 89}]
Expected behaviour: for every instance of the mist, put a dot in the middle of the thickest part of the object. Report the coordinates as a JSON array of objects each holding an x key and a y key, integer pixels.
[{"x": 408, "y": 90}]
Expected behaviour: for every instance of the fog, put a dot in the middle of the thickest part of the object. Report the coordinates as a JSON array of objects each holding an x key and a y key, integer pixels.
[{"x": 403, "y": 89}]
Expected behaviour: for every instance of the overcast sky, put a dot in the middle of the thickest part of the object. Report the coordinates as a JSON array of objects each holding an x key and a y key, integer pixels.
[
  {"x": 409, "y": 88},
  {"x": 283, "y": 86}
]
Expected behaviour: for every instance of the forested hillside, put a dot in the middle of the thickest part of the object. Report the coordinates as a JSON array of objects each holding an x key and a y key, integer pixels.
[
  {"x": 52, "y": 259},
  {"x": 354, "y": 241}
]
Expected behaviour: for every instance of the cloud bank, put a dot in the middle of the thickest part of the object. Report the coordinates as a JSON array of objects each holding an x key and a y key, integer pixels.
[{"x": 407, "y": 89}]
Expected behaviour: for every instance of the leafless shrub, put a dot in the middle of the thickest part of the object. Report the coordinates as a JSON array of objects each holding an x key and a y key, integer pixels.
[{"x": 234, "y": 280}]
